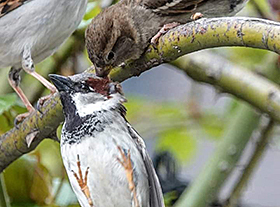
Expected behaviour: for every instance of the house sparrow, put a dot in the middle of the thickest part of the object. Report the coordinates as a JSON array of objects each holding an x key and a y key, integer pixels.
[
  {"x": 105, "y": 158},
  {"x": 32, "y": 30},
  {"x": 124, "y": 30}
]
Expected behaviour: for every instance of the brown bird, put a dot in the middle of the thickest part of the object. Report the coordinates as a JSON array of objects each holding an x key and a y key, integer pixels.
[{"x": 124, "y": 30}]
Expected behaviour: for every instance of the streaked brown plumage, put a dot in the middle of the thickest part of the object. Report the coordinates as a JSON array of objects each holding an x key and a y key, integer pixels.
[{"x": 124, "y": 30}]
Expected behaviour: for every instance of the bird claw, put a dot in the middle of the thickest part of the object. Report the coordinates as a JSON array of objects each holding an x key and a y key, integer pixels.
[
  {"x": 42, "y": 100},
  {"x": 162, "y": 31},
  {"x": 83, "y": 181},
  {"x": 196, "y": 16},
  {"x": 19, "y": 118},
  {"x": 127, "y": 164}
]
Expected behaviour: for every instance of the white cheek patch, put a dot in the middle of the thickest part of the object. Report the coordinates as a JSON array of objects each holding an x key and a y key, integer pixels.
[{"x": 86, "y": 108}]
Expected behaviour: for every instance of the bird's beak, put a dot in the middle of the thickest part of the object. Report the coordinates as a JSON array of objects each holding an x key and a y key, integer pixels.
[{"x": 62, "y": 83}]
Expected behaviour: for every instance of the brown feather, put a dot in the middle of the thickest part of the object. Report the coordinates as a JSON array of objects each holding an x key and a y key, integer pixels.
[
  {"x": 7, "y": 6},
  {"x": 100, "y": 85},
  {"x": 166, "y": 7}
]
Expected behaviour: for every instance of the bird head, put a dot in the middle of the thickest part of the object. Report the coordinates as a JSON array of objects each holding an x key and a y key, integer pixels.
[
  {"x": 84, "y": 94},
  {"x": 110, "y": 40}
]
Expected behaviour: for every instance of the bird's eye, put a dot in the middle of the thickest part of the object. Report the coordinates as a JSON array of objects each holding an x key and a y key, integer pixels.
[
  {"x": 82, "y": 87},
  {"x": 110, "y": 56}
]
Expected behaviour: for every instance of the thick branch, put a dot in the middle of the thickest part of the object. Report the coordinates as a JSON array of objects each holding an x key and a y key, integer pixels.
[
  {"x": 253, "y": 163},
  {"x": 205, "y": 33},
  {"x": 230, "y": 78}
]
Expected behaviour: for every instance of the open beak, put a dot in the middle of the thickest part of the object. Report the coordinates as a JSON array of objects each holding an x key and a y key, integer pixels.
[{"x": 62, "y": 83}]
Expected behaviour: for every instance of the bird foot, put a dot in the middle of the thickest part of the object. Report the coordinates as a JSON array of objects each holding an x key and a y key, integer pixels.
[
  {"x": 162, "y": 31},
  {"x": 126, "y": 163},
  {"x": 43, "y": 99},
  {"x": 196, "y": 16},
  {"x": 14, "y": 79},
  {"x": 83, "y": 181},
  {"x": 19, "y": 118}
]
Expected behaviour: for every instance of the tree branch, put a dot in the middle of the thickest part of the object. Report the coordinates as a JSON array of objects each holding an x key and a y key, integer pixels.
[
  {"x": 253, "y": 163},
  {"x": 206, "y": 186},
  {"x": 194, "y": 36},
  {"x": 230, "y": 78},
  {"x": 203, "y": 34}
]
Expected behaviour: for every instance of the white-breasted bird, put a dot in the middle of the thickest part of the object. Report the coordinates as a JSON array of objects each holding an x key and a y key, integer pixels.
[
  {"x": 105, "y": 158},
  {"x": 32, "y": 30}
]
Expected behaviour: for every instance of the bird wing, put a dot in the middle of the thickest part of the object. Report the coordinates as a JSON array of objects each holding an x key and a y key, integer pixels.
[
  {"x": 156, "y": 198},
  {"x": 7, "y": 6},
  {"x": 168, "y": 7}
]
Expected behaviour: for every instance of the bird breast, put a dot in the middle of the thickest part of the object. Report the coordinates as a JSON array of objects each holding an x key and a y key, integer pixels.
[{"x": 107, "y": 179}]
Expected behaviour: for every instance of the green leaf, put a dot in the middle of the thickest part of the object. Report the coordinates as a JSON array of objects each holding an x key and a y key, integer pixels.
[
  {"x": 179, "y": 142},
  {"x": 50, "y": 157},
  {"x": 18, "y": 178},
  {"x": 28, "y": 181},
  {"x": 41, "y": 185},
  {"x": 170, "y": 197},
  {"x": 9, "y": 108},
  {"x": 7, "y": 101}
]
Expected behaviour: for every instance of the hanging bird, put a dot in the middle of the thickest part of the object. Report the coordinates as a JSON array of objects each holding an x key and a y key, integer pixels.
[
  {"x": 123, "y": 31},
  {"x": 105, "y": 158},
  {"x": 32, "y": 30}
]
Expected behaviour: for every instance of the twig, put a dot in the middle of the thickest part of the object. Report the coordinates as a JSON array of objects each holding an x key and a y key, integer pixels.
[
  {"x": 259, "y": 10},
  {"x": 58, "y": 190},
  {"x": 251, "y": 167},
  {"x": 4, "y": 198},
  {"x": 233, "y": 79}
]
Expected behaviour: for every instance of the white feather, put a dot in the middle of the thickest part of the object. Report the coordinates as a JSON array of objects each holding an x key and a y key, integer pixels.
[{"x": 84, "y": 109}]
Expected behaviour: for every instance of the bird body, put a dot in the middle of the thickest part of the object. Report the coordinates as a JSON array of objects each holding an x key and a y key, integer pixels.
[
  {"x": 41, "y": 25},
  {"x": 95, "y": 134},
  {"x": 124, "y": 30},
  {"x": 108, "y": 176},
  {"x": 32, "y": 30}
]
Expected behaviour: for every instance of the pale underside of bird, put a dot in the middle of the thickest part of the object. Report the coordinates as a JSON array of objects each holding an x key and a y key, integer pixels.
[
  {"x": 32, "y": 30},
  {"x": 123, "y": 31},
  {"x": 105, "y": 159}
]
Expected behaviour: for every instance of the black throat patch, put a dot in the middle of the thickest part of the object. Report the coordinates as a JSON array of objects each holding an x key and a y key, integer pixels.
[{"x": 76, "y": 129}]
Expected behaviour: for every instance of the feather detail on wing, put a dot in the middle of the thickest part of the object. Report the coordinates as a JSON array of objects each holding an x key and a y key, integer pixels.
[
  {"x": 168, "y": 7},
  {"x": 156, "y": 197},
  {"x": 7, "y": 6}
]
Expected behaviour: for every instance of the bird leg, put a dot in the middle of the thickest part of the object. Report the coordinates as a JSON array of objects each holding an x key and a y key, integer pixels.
[
  {"x": 163, "y": 30},
  {"x": 14, "y": 80},
  {"x": 83, "y": 182},
  {"x": 28, "y": 66},
  {"x": 126, "y": 163}
]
